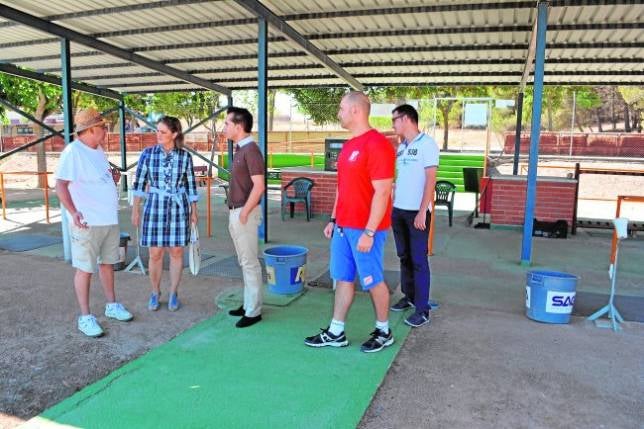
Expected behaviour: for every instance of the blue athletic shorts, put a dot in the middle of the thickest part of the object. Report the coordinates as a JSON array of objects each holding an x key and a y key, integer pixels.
[{"x": 346, "y": 260}]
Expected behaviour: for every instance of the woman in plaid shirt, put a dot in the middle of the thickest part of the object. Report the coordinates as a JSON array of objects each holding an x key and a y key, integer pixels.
[{"x": 166, "y": 179}]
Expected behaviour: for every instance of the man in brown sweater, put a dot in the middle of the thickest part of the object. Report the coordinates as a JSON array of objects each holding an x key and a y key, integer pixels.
[{"x": 246, "y": 189}]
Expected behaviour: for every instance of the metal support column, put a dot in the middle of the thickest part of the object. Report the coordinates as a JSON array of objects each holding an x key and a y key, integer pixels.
[
  {"x": 230, "y": 142},
  {"x": 262, "y": 109},
  {"x": 68, "y": 121},
  {"x": 531, "y": 188},
  {"x": 122, "y": 142},
  {"x": 517, "y": 137}
]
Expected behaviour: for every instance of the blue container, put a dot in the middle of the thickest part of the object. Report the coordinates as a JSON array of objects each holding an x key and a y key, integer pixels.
[
  {"x": 285, "y": 269},
  {"x": 550, "y": 296}
]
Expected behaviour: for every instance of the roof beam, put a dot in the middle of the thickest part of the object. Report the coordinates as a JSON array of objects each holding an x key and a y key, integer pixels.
[
  {"x": 56, "y": 80},
  {"x": 508, "y": 74},
  {"x": 46, "y": 26},
  {"x": 336, "y": 14},
  {"x": 340, "y": 35},
  {"x": 374, "y": 50},
  {"x": 113, "y": 10},
  {"x": 261, "y": 11},
  {"x": 527, "y": 67},
  {"x": 515, "y": 61},
  {"x": 417, "y": 83}
]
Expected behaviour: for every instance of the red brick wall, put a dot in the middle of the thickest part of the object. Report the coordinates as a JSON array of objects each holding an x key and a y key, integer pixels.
[
  {"x": 135, "y": 142},
  {"x": 322, "y": 194},
  {"x": 615, "y": 144},
  {"x": 555, "y": 200}
]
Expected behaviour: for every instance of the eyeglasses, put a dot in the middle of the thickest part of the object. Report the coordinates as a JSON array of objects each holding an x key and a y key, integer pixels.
[{"x": 394, "y": 118}]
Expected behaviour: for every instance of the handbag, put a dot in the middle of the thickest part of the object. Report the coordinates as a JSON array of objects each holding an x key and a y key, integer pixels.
[{"x": 194, "y": 250}]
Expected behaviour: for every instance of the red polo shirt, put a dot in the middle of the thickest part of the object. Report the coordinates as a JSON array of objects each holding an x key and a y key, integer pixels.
[{"x": 362, "y": 159}]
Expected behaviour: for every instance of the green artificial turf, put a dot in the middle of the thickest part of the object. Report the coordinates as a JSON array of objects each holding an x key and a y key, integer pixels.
[{"x": 217, "y": 376}]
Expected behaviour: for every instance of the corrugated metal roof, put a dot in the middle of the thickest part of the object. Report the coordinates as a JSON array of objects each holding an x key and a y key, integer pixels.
[{"x": 379, "y": 42}]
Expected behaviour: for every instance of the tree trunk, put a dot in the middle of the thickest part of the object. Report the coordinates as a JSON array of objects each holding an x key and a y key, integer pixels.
[
  {"x": 271, "y": 108},
  {"x": 549, "y": 114},
  {"x": 637, "y": 120},
  {"x": 627, "y": 121},
  {"x": 445, "y": 108},
  {"x": 613, "y": 119},
  {"x": 41, "y": 154},
  {"x": 599, "y": 120}
]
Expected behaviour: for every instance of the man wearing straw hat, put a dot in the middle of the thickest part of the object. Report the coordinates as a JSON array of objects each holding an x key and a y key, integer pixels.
[{"x": 86, "y": 187}]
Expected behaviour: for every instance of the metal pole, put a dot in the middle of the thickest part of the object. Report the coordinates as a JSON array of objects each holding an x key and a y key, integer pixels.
[
  {"x": 122, "y": 141},
  {"x": 262, "y": 78},
  {"x": 531, "y": 191},
  {"x": 230, "y": 142},
  {"x": 3, "y": 197},
  {"x": 517, "y": 135},
  {"x": 487, "y": 138},
  {"x": 573, "y": 227},
  {"x": 572, "y": 122},
  {"x": 66, "y": 78}
]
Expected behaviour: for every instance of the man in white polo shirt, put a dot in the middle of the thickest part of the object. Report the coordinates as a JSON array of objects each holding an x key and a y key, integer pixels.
[
  {"x": 416, "y": 164},
  {"x": 86, "y": 186}
]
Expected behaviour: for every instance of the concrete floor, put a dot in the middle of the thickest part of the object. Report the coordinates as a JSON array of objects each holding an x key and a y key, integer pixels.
[{"x": 482, "y": 363}]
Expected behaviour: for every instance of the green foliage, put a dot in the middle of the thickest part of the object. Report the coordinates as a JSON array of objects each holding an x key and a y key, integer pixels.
[
  {"x": 189, "y": 106},
  {"x": 37, "y": 98},
  {"x": 633, "y": 96},
  {"x": 319, "y": 104},
  {"x": 380, "y": 122}
]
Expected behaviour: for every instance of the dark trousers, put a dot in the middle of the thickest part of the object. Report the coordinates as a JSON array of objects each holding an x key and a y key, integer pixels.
[{"x": 411, "y": 246}]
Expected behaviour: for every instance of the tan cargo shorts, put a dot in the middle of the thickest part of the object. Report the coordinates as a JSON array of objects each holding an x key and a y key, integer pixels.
[{"x": 94, "y": 245}]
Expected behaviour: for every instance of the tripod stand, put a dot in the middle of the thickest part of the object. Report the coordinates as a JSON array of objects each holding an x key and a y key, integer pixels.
[
  {"x": 621, "y": 229},
  {"x": 137, "y": 262}
]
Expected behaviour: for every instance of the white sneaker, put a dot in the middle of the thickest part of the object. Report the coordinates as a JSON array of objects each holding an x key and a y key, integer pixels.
[
  {"x": 89, "y": 326},
  {"x": 115, "y": 310}
]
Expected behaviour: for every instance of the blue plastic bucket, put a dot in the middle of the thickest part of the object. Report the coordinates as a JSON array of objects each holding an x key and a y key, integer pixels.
[
  {"x": 550, "y": 296},
  {"x": 285, "y": 269}
]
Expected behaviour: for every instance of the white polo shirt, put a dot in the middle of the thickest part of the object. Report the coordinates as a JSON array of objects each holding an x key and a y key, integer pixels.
[{"x": 411, "y": 161}]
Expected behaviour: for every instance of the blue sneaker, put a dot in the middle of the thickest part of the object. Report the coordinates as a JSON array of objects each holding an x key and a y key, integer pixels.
[
  {"x": 153, "y": 303},
  {"x": 418, "y": 319},
  {"x": 173, "y": 302}
]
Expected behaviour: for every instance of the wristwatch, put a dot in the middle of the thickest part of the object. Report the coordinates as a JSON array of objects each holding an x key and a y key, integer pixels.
[{"x": 369, "y": 232}]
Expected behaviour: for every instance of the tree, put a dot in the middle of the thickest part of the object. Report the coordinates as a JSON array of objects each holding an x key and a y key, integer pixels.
[
  {"x": 319, "y": 104},
  {"x": 634, "y": 100},
  {"x": 586, "y": 101},
  {"x": 185, "y": 105},
  {"x": 36, "y": 98}
]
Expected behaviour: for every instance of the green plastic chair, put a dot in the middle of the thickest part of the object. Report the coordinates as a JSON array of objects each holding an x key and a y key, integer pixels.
[
  {"x": 301, "y": 194},
  {"x": 445, "y": 191}
]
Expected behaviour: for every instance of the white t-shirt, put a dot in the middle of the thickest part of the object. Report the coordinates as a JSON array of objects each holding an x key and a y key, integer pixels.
[
  {"x": 411, "y": 161},
  {"x": 92, "y": 187}
]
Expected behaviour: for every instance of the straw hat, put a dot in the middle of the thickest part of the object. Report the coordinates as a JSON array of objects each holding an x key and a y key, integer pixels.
[{"x": 87, "y": 118}]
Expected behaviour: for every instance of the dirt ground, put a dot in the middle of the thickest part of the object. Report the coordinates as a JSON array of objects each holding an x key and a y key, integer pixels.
[
  {"x": 38, "y": 315},
  {"x": 32, "y": 330}
]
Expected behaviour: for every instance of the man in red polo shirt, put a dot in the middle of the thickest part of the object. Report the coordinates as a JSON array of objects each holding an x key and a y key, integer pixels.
[{"x": 358, "y": 225}]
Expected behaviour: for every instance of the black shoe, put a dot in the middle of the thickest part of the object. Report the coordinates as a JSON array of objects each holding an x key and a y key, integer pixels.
[
  {"x": 238, "y": 311},
  {"x": 402, "y": 305},
  {"x": 378, "y": 341},
  {"x": 326, "y": 338},
  {"x": 246, "y": 321}
]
